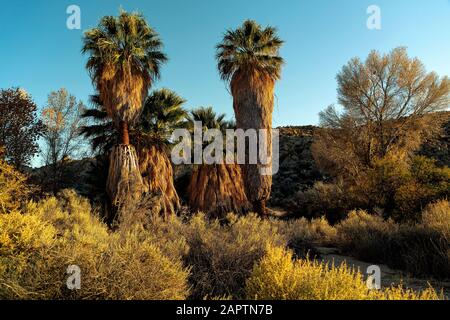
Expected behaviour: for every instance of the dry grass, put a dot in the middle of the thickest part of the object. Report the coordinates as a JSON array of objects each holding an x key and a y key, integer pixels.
[
  {"x": 38, "y": 245},
  {"x": 436, "y": 216},
  {"x": 13, "y": 187},
  {"x": 422, "y": 249}
]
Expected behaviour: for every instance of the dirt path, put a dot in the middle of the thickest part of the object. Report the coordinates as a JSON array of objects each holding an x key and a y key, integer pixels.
[{"x": 388, "y": 276}]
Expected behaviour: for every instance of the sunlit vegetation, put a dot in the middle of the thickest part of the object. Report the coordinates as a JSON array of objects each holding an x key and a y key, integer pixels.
[
  {"x": 278, "y": 277},
  {"x": 136, "y": 232}
]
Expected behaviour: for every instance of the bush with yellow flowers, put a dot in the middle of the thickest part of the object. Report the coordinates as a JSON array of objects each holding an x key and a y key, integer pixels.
[{"x": 278, "y": 277}]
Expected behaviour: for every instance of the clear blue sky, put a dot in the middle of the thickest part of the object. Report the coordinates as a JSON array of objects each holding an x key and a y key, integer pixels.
[{"x": 40, "y": 54}]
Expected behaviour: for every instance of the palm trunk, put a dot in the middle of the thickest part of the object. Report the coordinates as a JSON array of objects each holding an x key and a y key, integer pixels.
[
  {"x": 157, "y": 175},
  {"x": 124, "y": 134},
  {"x": 217, "y": 190},
  {"x": 253, "y": 102},
  {"x": 124, "y": 181}
]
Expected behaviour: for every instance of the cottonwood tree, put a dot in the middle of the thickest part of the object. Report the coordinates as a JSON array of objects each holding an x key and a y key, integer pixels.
[
  {"x": 61, "y": 135},
  {"x": 20, "y": 127},
  {"x": 384, "y": 101}
]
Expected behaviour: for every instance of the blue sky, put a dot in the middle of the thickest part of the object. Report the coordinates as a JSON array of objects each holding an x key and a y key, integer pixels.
[{"x": 40, "y": 54}]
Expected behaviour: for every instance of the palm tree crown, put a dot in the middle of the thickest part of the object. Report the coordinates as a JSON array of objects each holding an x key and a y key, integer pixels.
[
  {"x": 162, "y": 113},
  {"x": 250, "y": 48},
  {"x": 100, "y": 129},
  {"x": 125, "y": 57},
  {"x": 209, "y": 119}
]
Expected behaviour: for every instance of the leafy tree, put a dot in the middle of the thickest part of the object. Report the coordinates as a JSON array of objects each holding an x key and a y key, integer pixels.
[
  {"x": 390, "y": 105},
  {"x": 384, "y": 100},
  {"x": 62, "y": 121},
  {"x": 20, "y": 127},
  {"x": 249, "y": 61}
]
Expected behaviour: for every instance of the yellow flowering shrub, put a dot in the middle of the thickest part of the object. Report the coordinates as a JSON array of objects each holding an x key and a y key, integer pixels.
[
  {"x": 12, "y": 187},
  {"x": 278, "y": 277},
  {"x": 37, "y": 246}
]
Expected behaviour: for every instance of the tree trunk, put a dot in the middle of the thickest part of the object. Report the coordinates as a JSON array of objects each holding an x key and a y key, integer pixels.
[
  {"x": 259, "y": 206},
  {"x": 124, "y": 181},
  {"x": 124, "y": 134},
  {"x": 217, "y": 190},
  {"x": 253, "y": 103}
]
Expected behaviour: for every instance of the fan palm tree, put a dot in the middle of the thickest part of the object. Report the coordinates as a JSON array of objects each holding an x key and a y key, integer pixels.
[
  {"x": 124, "y": 59},
  {"x": 215, "y": 189},
  {"x": 248, "y": 60},
  {"x": 100, "y": 129},
  {"x": 162, "y": 113}
]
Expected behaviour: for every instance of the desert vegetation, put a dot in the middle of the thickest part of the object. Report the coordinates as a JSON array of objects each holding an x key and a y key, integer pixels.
[{"x": 368, "y": 182}]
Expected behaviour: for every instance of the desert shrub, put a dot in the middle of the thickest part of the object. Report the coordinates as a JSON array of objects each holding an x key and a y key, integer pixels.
[
  {"x": 25, "y": 241},
  {"x": 221, "y": 253},
  {"x": 38, "y": 246},
  {"x": 420, "y": 249},
  {"x": 135, "y": 268},
  {"x": 436, "y": 216},
  {"x": 222, "y": 256},
  {"x": 323, "y": 199},
  {"x": 278, "y": 277},
  {"x": 365, "y": 235},
  {"x": 315, "y": 231},
  {"x": 427, "y": 183},
  {"x": 402, "y": 186},
  {"x": 13, "y": 187}
]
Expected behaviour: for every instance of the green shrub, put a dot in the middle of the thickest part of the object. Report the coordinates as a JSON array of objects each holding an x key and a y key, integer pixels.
[
  {"x": 321, "y": 200},
  {"x": 278, "y": 277},
  {"x": 427, "y": 183}
]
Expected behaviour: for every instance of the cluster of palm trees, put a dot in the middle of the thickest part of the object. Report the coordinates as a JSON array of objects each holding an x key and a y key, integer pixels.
[{"x": 134, "y": 126}]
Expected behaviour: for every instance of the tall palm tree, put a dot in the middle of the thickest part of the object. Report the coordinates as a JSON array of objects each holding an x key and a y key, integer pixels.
[
  {"x": 162, "y": 114},
  {"x": 125, "y": 58},
  {"x": 249, "y": 61},
  {"x": 215, "y": 189},
  {"x": 100, "y": 129}
]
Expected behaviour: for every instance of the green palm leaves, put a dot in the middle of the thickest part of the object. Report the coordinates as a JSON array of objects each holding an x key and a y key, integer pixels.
[
  {"x": 124, "y": 59},
  {"x": 250, "y": 48}
]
